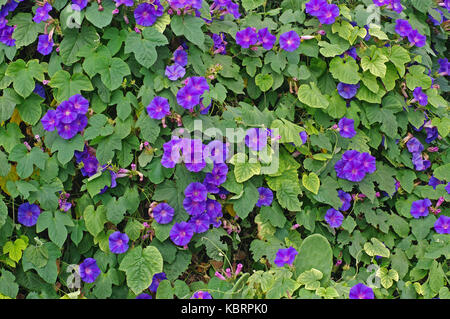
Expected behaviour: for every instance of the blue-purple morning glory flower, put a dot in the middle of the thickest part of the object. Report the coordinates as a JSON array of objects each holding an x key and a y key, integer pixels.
[
  {"x": 196, "y": 191},
  {"x": 419, "y": 163},
  {"x": 180, "y": 57},
  {"x": 417, "y": 39},
  {"x": 67, "y": 130},
  {"x": 266, "y": 38},
  {"x": 314, "y": 7},
  {"x": 247, "y": 37},
  {"x": 442, "y": 225},
  {"x": 79, "y": 103},
  {"x": 265, "y": 197},
  {"x": 334, "y": 218},
  {"x": 163, "y": 213},
  {"x": 403, "y": 28},
  {"x": 436, "y": 22},
  {"x": 218, "y": 175},
  {"x": 414, "y": 145},
  {"x": 175, "y": 72},
  {"x": 443, "y": 66},
  {"x": 89, "y": 270},
  {"x": 187, "y": 98},
  {"x": 197, "y": 84},
  {"x": 49, "y": 120},
  {"x": 420, "y": 96},
  {"x": 346, "y": 200},
  {"x": 144, "y": 296},
  {"x": 42, "y": 13},
  {"x": 181, "y": 233},
  {"x": 328, "y": 14},
  {"x": 158, "y": 108},
  {"x": 432, "y": 134},
  {"x": 289, "y": 41},
  {"x": 118, "y": 242},
  {"x": 28, "y": 214},
  {"x": 66, "y": 113},
  {"x": 304, "y": 137},
  {"x": 419, "y": 208},
  {"x": 157, "y": 278},
  {"x": 192, "y": 207},
  {"x": 285, "y": 256},
  {"x": 368, "y": 162},
  {"x": 200, "y": 223},
  {"x": 361, "y": 291},
  {"x": 347, "y": 91},
  {"x": 347, "y": 127},
  {"x": 201, "y": 295},
  {"x": 79, "y": 5},
  {"x": 146, "y": 14},
  {"x": 45, "y": 44},
  {"x": 256, "y": 138}
]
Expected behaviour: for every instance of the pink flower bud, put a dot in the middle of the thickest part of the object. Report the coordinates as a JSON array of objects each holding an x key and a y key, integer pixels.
[
  {"x": 238, "y": 269},
  {"x": 228, "y": 272},
  {"x": 220, "y": 276}
]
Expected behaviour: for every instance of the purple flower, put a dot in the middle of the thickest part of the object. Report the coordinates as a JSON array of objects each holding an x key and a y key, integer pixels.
[
  {"x": 65, "y": 113},
  {"x": 175, "y": 72},
  {"x": 419, "y": 163},
  {"x": 414, "y": 146},
  {"x": 196, "y": 191},
  {"x": 118, "y": 242},
  {"x": 265, "y": 197},
  {"x": 194, "y": 208},
  {"x": 67, "y": 131},
  {"x": 158, "y": 108},
  {"x": 6, "y": 36},
  {"x": 346, "y": 200},
  {"x": 443, "y": 66},
  {"x": 145, "y": 14},
  {"x": 28, "y": 214},
  {"x": 304, "y": 137},
  {"x": 368, "y": 162},
  {"x": 127, "y": 3},
  {"x": 289, "y": 41},
  {"x": 163, "y": 213},
  {"x": 442, "y": 225},
  {"x": 45, "y": 44},
  {"x": 328, "y": 14},
  {"x": 233, "y": 9},
  {"x": 334, "y": 218},
  {"x": 218, "y": 175},
  {"x": 213, "y": 209},
  {"x": 42, "y": 13},
  {"x": 432, "y": 134},
  {"x": 201, "y": 295},
  {"x": 200, "y": 223},
  {"x": 49, "y": 120},
  {"x": 89, "y": 270},
  {"x": 256, "y": 139},
  {"x": 180, "y": 57},
  {"x": 403, "y": 28},
  {"x": 447, "y": 188},
  {"x": 79, "y": 5},
  {"x": 419, "y": 208},
  {"x": 144, "y": 296},
  {"x": 80, "y": 122},
  {"x": 90, "y": 166},
  {"x": 417, "y": 39},
  {"x": 79, "y": 103},
  {"x": 354, "y": 171},
  {"x": 347, "y": 91},
  {"x": 247, "y": 37},
  {"x": 361, "y": 291},
  {"x": 266, "y": 38},
  {"x": 396, "y": 6},
  {"x": 216, "y": 151},
  {"x": 220, "y": 43},
  {"x": 187, "y": 98},
  {"x": 157, "y": 278},
  {"x": 347, "y": 128},
  {"x": 39, "y": 90},
  {"x": 434, "y": 182},
  {"x": 181, "y": 233},
  {"x": 420, "y": 96},
  {"x": 314, "y": 7},
  {"x": 285, "y": 256},
  {"x": 197, "y": 84}
]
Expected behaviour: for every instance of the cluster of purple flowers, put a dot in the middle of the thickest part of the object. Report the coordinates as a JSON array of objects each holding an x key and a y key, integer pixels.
[
  {"x": 222, "y": 7},
  {"x": 177, "y": 71},
  {"x": 220, "y": 43},
  {"x": 28, "y": 214},
  {"x": 251, "y": 38},
  {"x": 325, "y": 12},
  {"x": 361, "y": 291},
  {"x": 285, "y": 256},
  {"x": 415, "y": 148},
  {"x": 347, "y": 128},
  {"x": 69, "y": 118},
  {"x": 394, "y": 5},
  {"x": 347, "y": 91},
  {"x": 404, "y": 29},
  {"x": 190, "y": 94},
  {"x": 146, "y": 14},
  {"x": 334, "y": 218},
  {"x": 185, "y": 4},
  {"x": 7, "y": 31},
  {"x": 355, "y": 165}
]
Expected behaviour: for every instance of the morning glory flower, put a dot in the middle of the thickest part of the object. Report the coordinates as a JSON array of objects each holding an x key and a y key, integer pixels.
[
  {"x": 334, "y": 218},
  {"x": 163, "y": 213},
  {"x": 368, "y": 162},
  {"x": 118, "y": 242},
  {"x": 247, "y": 37},
  {"x": 314, "y": 7},
  {"x": 304, "y": 137},
  {"x": 289, "y": 41},
  {"x": 403, "y": 28},
  {"x": 175, "y": 72},
  {"x": 146, "y": 14},
  {"x": 361, "y": 291},
  {"x": 180, "y": 57},
  {"x": 42, "y": 13},
  {"x": 197, "y": 84},
  {"x": 67, "y": 130},
  {"x": 417, "y": 39},
  {"x": 420, "y": 96},
  {"x": 66, "y": 113},
  {"x": 200, "y": 223},
  {"x": 442, "y": 225},
  {"x": 89, "y": 270},
  {"x": 158, "y": 108},
  {"x": 419, "y": 208},
  {"x": 265, "y": 197},
  {"x": 196, "y": 191},
  {"x": 347, "y": 128},
  {"x": 354, "y": 171},
  {"x": 285, "y": 256},
  {"x": 328, "y": 14},
  {"x": 266, "y": 38},
  {"x": 157, "y": 278},
  {"x": 79, "y": 5},
  {"x": 347, "y": 91},
  {"x": 187, "y": 98},
  {"x": 201, "y": 295},
  {"x": 79, "y": 103},
  {"x": 256, "y": 138},
  {"x": 181, "y": 233},
  {"x": 414, "y": 145},
  {"x": 45, "y": 44},
  {"x": 28, "y": 214},
  {"x": 144, "y": 296},
  {"x": 346, "y": 200},
  {"x": 49, "y": 120}
]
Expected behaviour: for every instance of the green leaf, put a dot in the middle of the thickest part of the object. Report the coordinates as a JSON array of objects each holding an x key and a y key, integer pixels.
[
  {"x": 245, "y": 204},
  {"x": 345, "y": 70},
  {"x": 264, "y": 82},
  {"x": 140, "y": 265},
  {"x": 26, "y": 31},
  {"x": 252, "y": 4},
  {"x": 165, "y": 290},
  {"x": 23, "y": 75},
  {"x": 67, "y": 85},
  {"x": 310, "y": 278},
  {"x": 406, "y": 179},
  {"x": 417, "y": 78},
  {"x": 8, "y": 287},
  {"x": 375, "y": 64},
  {"x": 311, "y": 182},
  {"x": 244, "y": 171},
  {"x": 387, "y": 276},
  {"x": 106, "y": 148},
  {"x": 95, "y": 219},
  {"x": 442, "y": 172},
  {"x": 37, "y": 255},
  {"x": 376, "y": 248},
  {"x": 399, "y": 56},
  {"x": 15, "y": 249},
  {"x": 101, "y": 18},
  {"x": 190, "y": 27},
  {"x": 27, "y": 160},
  {"x": 66, "y": 148},
  {"x": 30, "y": 110},
  {"x": 133, "y": 229},
  {"x": 10, "y": 137},
  {"x": 287, "y": 196},
  {"x": 311, "y": 96},
  {"x": 113, "y": 75},
  {"x": 74, "y": 40}
]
